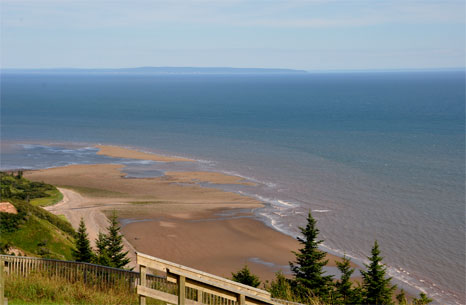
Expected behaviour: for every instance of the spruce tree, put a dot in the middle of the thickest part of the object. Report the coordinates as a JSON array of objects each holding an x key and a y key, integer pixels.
[
  {"x": 115, "y": 243},
  {"x": 423, "y": 300},
  {"x": 401, "y": 298},
  {"x": 308, "y": 269},
  {"x": 345, "y": 293},
  {"x": 83, "y": 251},
  {"x": 102, "y": 257},
  {"x": 244, "y": 276},
  {"x": 377, "y": 288}
]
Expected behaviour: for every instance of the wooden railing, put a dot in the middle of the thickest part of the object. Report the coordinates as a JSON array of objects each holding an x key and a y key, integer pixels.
[
  {"x": 194, "y": 287},
  {"x": 177, "y": 285}
]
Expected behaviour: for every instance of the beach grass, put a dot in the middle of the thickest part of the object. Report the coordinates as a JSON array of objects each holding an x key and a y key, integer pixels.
[{"x": 93, "y": 192}]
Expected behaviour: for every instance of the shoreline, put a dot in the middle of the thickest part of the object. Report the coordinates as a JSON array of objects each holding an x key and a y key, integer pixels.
[
  {"x": 410, "y": 288},
  {"x": 214, "y": 214}
]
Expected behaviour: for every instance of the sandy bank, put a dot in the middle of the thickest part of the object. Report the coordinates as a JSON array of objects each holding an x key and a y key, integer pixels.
[{"x": 120, "y": 152}]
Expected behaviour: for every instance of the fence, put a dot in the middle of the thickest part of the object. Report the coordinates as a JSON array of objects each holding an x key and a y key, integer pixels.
[
  {"x": 98, "y": 276},
  {"x": 194, "y": 287},
  {"x": 179, "y": 285}
]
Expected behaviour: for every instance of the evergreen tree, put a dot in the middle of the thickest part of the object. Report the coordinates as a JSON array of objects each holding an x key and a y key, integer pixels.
[
  {"x": 345, "y": 293},
  {"x": 377, "y": 288},
  {"x": 114, "y": 245},
  {"x": 401, "y": 298},
  {"x": 280, "y": 288},
  {"x": 244, "y": 276},
  {"x": 83, "y": 252},
  {"x": 423, "y": 300},
  {"x": 308, "y": 268},
  {"x": 102, "y": 257}
]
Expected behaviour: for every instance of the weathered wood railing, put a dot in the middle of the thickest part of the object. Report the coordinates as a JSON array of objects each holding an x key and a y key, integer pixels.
[
  {"x": 194, "y": 287},
  {"x": 178, "y": 285}
]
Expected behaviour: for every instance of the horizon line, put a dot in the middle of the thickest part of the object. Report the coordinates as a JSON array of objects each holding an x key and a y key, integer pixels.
[{"x": 283, "y": 70}]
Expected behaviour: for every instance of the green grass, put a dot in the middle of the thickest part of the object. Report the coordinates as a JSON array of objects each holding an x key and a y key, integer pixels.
[
  {"x": 41, "y": 289},
  {"x": 41, "y": 238},
  {"x": 93, "y": 192},
  {"x": 63, "y": 217},
  {"x": 54, "y": 197}
]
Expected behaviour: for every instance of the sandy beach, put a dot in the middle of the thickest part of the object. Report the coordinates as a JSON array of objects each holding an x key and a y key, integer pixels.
[{"x": 173, "y": 217}]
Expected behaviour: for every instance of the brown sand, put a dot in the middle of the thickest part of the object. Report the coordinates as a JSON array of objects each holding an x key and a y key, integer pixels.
[
  {"x": 108, "y": 177},
  {"x": 120, "y": 152},
  {"x": 182, "y": 222}
]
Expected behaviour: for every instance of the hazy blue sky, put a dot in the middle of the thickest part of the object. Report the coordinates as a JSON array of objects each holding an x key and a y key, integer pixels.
[{"x": 311, "y": 35}]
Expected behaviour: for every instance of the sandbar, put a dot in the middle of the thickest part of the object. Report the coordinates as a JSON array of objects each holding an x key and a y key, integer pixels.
[{"x": 121, "y": 152}]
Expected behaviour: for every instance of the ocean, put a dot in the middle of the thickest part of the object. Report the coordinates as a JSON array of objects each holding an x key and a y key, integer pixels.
[{"x": 374, "y": 156}]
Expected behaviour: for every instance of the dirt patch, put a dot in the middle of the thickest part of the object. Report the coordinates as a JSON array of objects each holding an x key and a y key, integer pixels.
[{"x": 6, "y": 207}]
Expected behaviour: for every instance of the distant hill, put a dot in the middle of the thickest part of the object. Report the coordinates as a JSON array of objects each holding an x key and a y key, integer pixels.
[{"x": 157, "y": 70}]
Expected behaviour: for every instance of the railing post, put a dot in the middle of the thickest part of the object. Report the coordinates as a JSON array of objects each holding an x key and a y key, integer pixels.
[
  {"x": 241, "y": 299},
  {"x": 181, "y": 290},
  {"x": 2, "y": 282},
  {"x": 200, "y": 295},
  {"x": 142, "y": 282}
]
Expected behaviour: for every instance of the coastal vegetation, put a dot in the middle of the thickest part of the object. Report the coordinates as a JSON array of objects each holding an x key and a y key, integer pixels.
[
  {"x": 31, "y": 230},
  {"x": 109, "y": 247},
  {"x": 14, "y": 186},
  {"x": 40, "y": 288},
  {"x": 245, "y": 276}
]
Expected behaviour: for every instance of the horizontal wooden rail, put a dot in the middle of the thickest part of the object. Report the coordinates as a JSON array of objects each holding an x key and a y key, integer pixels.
[
  {"x": 208, "y": 288},
  {"x": 181, "y": 285}
]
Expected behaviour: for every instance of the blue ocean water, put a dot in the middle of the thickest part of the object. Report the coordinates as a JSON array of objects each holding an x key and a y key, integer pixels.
[{"x": 373, "y": 155}]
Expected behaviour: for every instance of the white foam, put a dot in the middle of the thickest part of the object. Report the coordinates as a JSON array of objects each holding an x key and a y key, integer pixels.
[
  {"x": 202, "y": 161},
  {"x": 321, "y": 211},
  {"x": 274, "y": 202},
  {"x": 140, "y": 162},
  {"x": 252, "y": 179},
  {"x": 285, "y": 203}
]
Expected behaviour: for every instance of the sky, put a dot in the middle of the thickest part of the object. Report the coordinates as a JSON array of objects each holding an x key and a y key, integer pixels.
[{"x": 297, "y": 34}]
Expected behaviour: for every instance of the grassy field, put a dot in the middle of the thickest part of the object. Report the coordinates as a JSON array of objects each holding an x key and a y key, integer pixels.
[
  {"x": 54, "y": 197},
  {"x": 39, "y": 237}
]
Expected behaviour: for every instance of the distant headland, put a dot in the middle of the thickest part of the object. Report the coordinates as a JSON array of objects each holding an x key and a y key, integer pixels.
[{"x": 157, "y": 70}]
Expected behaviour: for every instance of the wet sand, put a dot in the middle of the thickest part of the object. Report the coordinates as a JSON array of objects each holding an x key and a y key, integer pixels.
[{"x": 203, "y": 228}]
